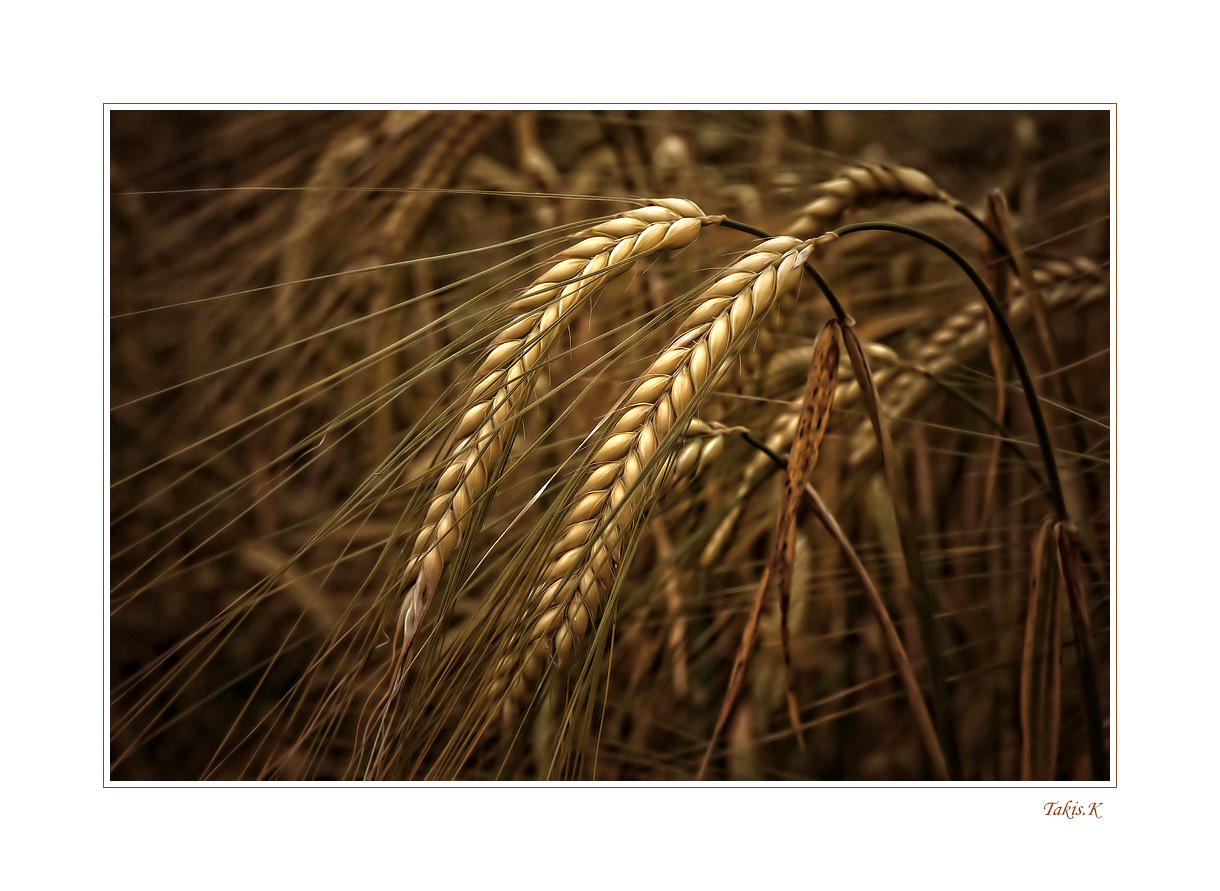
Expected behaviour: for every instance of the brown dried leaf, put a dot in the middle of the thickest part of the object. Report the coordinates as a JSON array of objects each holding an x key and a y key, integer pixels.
[{"x": 810, "y": 429}]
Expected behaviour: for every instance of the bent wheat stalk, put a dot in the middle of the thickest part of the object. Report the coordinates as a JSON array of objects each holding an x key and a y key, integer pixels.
[
  {"x": 577, "y": 581},
  {"x": 506, "y": 378},
  {"x": 861, "y": 186},
  {"x": 962, "y": 336}
]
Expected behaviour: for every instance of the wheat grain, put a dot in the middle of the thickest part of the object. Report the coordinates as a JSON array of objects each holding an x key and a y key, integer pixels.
[{"x": 507, "y": 375}]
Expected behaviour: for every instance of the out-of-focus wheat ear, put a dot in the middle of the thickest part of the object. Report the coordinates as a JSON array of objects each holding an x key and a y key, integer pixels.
[
  {"x": 319, "y": 193},
  {"x": 863, "y": 186},
  {"x": 968, "y": 332},
  {"x": 1069, "y": 568},
  {"x": 1040, "y": 660},
  {"x": 743, "y": 757},
  {"x": 505, "y": 380},
  {"x": 536, "y": 165},
  {"x": 674, "y": 609},
  {"x": 442, "y": 160},
  {"x": 959, "y": 338},
  {"x": 572, "y": 591}
]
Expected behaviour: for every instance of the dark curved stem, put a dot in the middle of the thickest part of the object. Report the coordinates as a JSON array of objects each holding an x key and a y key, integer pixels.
[
  {"x": 1006, "y": 436},
  {"x": 835, "y": 305},
  {"x": 1001, "y": 250},
  {"x": 779, "y": 460},
  {"x": 1027, "y": 382}
]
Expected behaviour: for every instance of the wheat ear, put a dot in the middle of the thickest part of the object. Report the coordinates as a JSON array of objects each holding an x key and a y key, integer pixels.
[
  {"x": 507, "y": 374},
  {"x": 575, "y": 584},
  {"x": 862, "y": 186}
]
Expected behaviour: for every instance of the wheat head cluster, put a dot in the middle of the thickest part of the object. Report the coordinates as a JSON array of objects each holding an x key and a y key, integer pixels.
[{"x": 609, "y": 445}]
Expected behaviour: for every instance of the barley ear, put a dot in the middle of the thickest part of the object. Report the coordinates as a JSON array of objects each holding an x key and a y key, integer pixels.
[{"x": 507, "y": 374}]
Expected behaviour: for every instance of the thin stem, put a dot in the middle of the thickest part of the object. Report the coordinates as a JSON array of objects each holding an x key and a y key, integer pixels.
[
  {"x": 1006, "y": 436},
  {"x": 986, "y": 230},
  {"x": 925, "y": 604},
  {"x": 893, "y": 642},
  {"x": 1027, "y": 383},
  {"x": 835, "y": 305}
]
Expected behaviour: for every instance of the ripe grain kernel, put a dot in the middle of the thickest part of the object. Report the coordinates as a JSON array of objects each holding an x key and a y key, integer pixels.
[
  {"x": 614, "y": 447},
  {"x": 602, "y": 476},
  {"x": 634, "y": 417},
  {"x": 648, "y": 391}
]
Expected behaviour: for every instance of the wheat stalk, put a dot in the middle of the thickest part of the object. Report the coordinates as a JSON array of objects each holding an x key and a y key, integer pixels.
[
  {"x": 575, "y": 584},
  {"x": 859, "y": 186},
  {"x": 964, "y": 334},
  {"x": 507, "y": 374}
]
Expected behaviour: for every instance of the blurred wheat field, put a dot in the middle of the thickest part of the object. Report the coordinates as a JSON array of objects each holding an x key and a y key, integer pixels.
[{"x": 302, "y": 309}]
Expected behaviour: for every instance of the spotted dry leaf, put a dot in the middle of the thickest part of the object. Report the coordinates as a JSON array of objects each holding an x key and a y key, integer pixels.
[{"x": 810, "y": 429}]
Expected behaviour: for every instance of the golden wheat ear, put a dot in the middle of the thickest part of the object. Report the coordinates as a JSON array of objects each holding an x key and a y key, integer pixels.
[
  {"x": 507, "y": 375},
  {"x": 863, "y": 186},
  {"x": 577, "y": 581}
]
